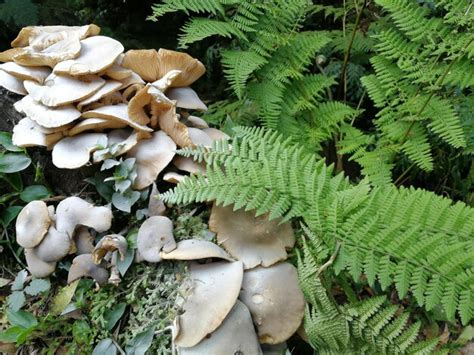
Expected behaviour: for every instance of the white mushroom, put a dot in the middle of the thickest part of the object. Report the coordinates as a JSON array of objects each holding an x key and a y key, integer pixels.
[
  {"x": 194, "y": 121},
  {"x": 27, "y": 133},
  {"x": 37, "y": 267},
  {"x": 48, "y": 117},
  {"x": 189, "y": 165},
  {"x": 156, "y": 206},
  {"x": 155, "y": 235},
  {"x": 74, "y": 152},
  {"x": 109, "y": 87},
  {"x": 32, "y": 224},
  {"x": 116, "y": 112},
  {"x": 12, "y": 83},
  {"x": 186, "y": 98},
  {"x": 38, "y": 74},
  {"x": 173, "y": 178},
  {"x": 94, "y": 124},
  {"x": 55, "y": 246},
  {"x": 194, "y": 249},
  {"x": 84, "y": 266}
]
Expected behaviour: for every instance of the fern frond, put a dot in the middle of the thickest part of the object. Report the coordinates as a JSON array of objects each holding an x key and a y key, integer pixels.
[
  {"x": 198, "y": 6},
  {"x": 199, "y": 28}
]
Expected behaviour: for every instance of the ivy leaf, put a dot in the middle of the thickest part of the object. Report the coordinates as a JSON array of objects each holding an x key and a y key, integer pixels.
[
  {"x": 114, "y": 315},
  {"x": 9, "y": 214},
  {"x": 140, "y": 344},
  {"x": 14, "y": 180},
  {"x": 109, "y": 163},
  {"x": 6, "y": 142},
  {"x": 124, "y": 202},
  {"x": 20, "y": 279},
  {"x": 13, "y": 162},
  {"x": 16, "y": 300},
  {"x": 34, "y": 192},
  {"x": 105, "y": 347},
  {"x": 21, "y": 318},
  {"x": 123, "y": 265},
  {"x": 37, "y": 286}
]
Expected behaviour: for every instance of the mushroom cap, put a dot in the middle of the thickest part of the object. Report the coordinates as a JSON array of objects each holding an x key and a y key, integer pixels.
[
  {"x": 199, "y": 137},
  {"x": 66, "y": 49},
  {"x": 83, "y": 266},
  {"x": 186, "y": 98},
  {"x": 191, "y": 68},
  {"x": 116, "y": 112},
  {"x": 74, "y": 211},
  {"x": 189, "y": 165},
  {"x": 173, "y": 178},
  {"x": 133, "y": 79},
  {"x": 27, "y": 133},
  {"x": 136, "y": 106},
  {"x": 154, "y": 235},
  {"x": 32, "y": 224},
  {"x": 83, "y": 240},
  {"x": 156, "y": 206},
  {"x": 169, "y": 123},
  {"x": 110, "y": 243},
  {"x": 144, "y": 62},
  {"x": 12, "y": 83},
  {"x": 193, "y": 249},
  {"x": 163, "y": 83},
  {"x": 109, "y": 87},
  {"x": 38, "y": 74},
  {"x": 215, "y": 134},
  {"x": 152, "y": 156},
  {"x": 116, "y": 72},
  {"x": 254, "y": 240},
  {"x": 275, "y": 301},
  {"x": 214, "y": 292},
  {"x": 54, "y": 246},
  {"x": 45, "y": 116},
  {"x": 97, "y": 54},
  {"x": 94, "y": 124},
  {"x": 236, "y": 335},
  {"x": 9, "y": 54},
  {"x": 74, "y": 152},
  {"x": 37, "y": 267},
  {"x": 197, "y": 122},
  {"x": 60, "y": 90}
]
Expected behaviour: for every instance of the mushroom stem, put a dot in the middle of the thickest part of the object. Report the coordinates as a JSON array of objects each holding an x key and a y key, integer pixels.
[{"x": 114, "y": 278}]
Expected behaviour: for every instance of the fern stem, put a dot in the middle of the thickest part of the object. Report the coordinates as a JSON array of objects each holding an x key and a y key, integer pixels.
[{"x": 330, "y": 261}]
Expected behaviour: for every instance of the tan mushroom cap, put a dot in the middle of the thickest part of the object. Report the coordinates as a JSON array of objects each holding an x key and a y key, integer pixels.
[
  {"x": 199, "y": 137},
  {"x": 9, "y": 54},
  {"x": 116, "y": 112},
  {"x": 197, "y": 122},
  {"x": 165, "y": 82},
  {"x": 215, "y": 134},
  {"x": 136, "y": 106},
  {"x": 60, "y": 90},
  {"x": 275, "y": 301},
  {"x": 152, "y": 156},
  {"x": 155, "y": 235},
  {"x": 116, "y": 72},
  {"x": 144, "y": 62},
  {"x": 110, "y": 243},
  {"x": 38, "y": 74},
  {"x": 191, "y": 68},
  {"x": 74, "y": 211},
  {"x": 189, "y": 165},
  {"x": 32, "y": 224},
  {"x": 133, "y": 79},
  {"x": 193, "y": 249},
  {"x": 214, "y": 292},
  {"x": 37, "y": 267},
  {"x": 169, "y": 123},
  {"x": 186, "y": 98},
  {"x": 74, "y": 152},
  {"x": 109, "y": 87},
  {"x": 95, "y": 124},
  {"x": 83, "y": 266},
  {"x": 54, "y": 246},
  {"x": 27, "y": 133},
  {"x": 49, "y": 117},
  {"x": 65, "y": 49},
  {"x": 12, "y": 83},
  {"x": 97, "y": 54},
  {"x": 156, "y": 206},
  {"x": 254, "y": 240},
  {"x": 83, "y": 240},
  {"x": 173, "y": 178}
]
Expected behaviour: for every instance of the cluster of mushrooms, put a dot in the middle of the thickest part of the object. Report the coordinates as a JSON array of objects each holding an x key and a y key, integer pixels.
[{"x": 85, "y": 97}]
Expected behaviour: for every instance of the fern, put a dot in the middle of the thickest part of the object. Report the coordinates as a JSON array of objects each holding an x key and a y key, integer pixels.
[{"x": 197, "y": 29}]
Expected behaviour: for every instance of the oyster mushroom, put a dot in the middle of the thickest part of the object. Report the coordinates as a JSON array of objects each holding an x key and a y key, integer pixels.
[
  {"x": 83, "y": 266},
  {"x": 169, "y": 123},
  {"x": 45, "y": 116},
  {"x": 27, "y": 133},
  {"x": 173, "y": 178},
  {"x": 236, "y": 335},
  {"x": 215, "y": 134},
  {"x": 155, "y": 235},
  {"x": 74, "y": 152},
  {"x": 189, "y": 165},
  {"x": 156, "y": 206},
  {"x": 109, "y": 87},
  {"x": 37, "y": 267},
  {"x": 83, "y": 240},
  {"x": 275, "y": 301},
  {"x": 191, "y": 68},
  {"x": 110, "y": 243},
  {"x": 38, "y": 74},
  {"x": 215, "y": 288},
  {"x": 116, "y": 72},
  {"x": 97, "y": 54},
  {"x": 54, "y": 246},
  {"x": 9, "y": 54},
  {"x": 186, "y": 98},
  {"x": 254, "y": 240},
  {"x": 197, "y": 122},
  {"x": 152, "y": 156},
  {"x": 144, "y": 62},
  {"x": 118, "y": 113},
  {"x": 193, "y": 249},
  {"x": 199, "y": 137},
  {"x": 95, "y": 124},
  {"x": 32, "y": 224},
  {"x": 12, "y": 83}
]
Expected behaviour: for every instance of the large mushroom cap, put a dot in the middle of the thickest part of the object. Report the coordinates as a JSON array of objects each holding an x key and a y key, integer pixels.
[
  {"x": 97, "y": 54},
  {"x": 55, "y": 246},
  {"x": 83, "y": 266},
  {"x": 144, "y": 62},
  {"x": 193, "y": 249},
  {"x": 186, "y": 98},
  {"x": 214, "y": 292},
  {"x": 38, "y": 74},
  {"x": 74, "y": 152},
  {"x": 32, "y": 224},
  {"x": 254, "y": 240},
  {"x": 27, "y": 133},
  {"x": 109, "y": 243},
  {"x": 48, "y": 117},
  {"x": 170, "y": 124},
  {"x": 191, "y": 68},
  {"x": 36, "y": 266},
  {"x": 74, "y": 211},
  {"x": 9, "y": 54},
  {"x": 155, "y": 235},
  {"x": 275, "y": 301},
  {"x": 96, "y": 125},
  {"x": 109, "y": 87},
  {"x": 12, "y": 83},
  {"x": 118, "y": 113},
  {"x": 60, "y": 90},
  {"x": 152, "y": 156},
  {"x": 236, "y": 335}
]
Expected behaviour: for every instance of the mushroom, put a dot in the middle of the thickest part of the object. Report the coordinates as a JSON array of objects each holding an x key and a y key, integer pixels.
[
  {"x": 32, "y": 224},
  {"x": 215, "y": 134},
  {"x": 74, "y": 211},
  {"x": 215, "y": 288},
  {"x": 199, "y": 137},
  {"x": 60, "y": 90},
  {"x": 236, "y": 335},
  {"x": 275, "y": 301},
  {"x": 110, "y": 243},
  {"x": 152, "y": 156},
  {"x": 38, "y": 74},
  {"x": 189, "y": 165},
  {"x": 173, "y": 178},
  {"x": 83, "y": 266},
  {"x": 95, "y": 124},
  {"x": 197, "y": 122},
  {"x": 156, "y": 206},
  {"x": 55, "y": 246},
  {"x": 45, "y": 116},
  {"x": 154, "y": 235},
  {"x": 84, "y": 242},
  {"x": 117, "y": 72},
  {"x": 132, "y": 80},
  {"x": 27, "y": 133},
  {"x": 169, "y": 123},
  {"x": 191, "y": 68},
  {"x": 120, "y": 141},
  {"x": 186, "y": 98},
  {"x": 37, "y": 267},
  {"x": 109, "y": 87},
  {"x": 97, "y": 54},
  {"x": 136, "y": 106},
  {"x": 193, "y": 249},
  {"x": 254, "y": 240},
  {"x": 9, "y": 54},
  {"x": 144, "y": 62},
  {"x": 74, "y": 152},
  {"x": 12, "y": 83},
  {"x": 118, "y": 113}
]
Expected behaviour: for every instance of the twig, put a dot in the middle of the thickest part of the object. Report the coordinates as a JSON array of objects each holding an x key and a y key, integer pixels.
[
  {"x": 5, "y": 233},
  {"x": 118, "y": 347},
  {"x": 330, "y": 261}
]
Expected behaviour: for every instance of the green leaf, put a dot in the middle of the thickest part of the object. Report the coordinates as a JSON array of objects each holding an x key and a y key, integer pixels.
[
  {"x": 8, "y": 215},
  {"x": 11, "y": 334},
  {"x": 108, "y": 164},
  {"x": 123, "y": 265},
  {"x": 21, "y": 318},
  {"x": 20, "y": 279},
  {"x": 114, "y": 315},
  {"x": 81, "y": 332},
  {"x": 13, "y": 162},
  {"x": 35, "y": 192},
  {"x": 6, "y": 142},
  {"x": 14, "y": 180},
  {"x": 105, "y": 190},
  {"x": 105, "y": 347},
  {"x": 63, "y": 297},
  {"x": 37, "y": 286},
  {"x": 140, "y": 344},
  {"x": 466, "y": 335},
  {"x": 16, "y": 300},
  {"x": 125, "y": 201}
]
